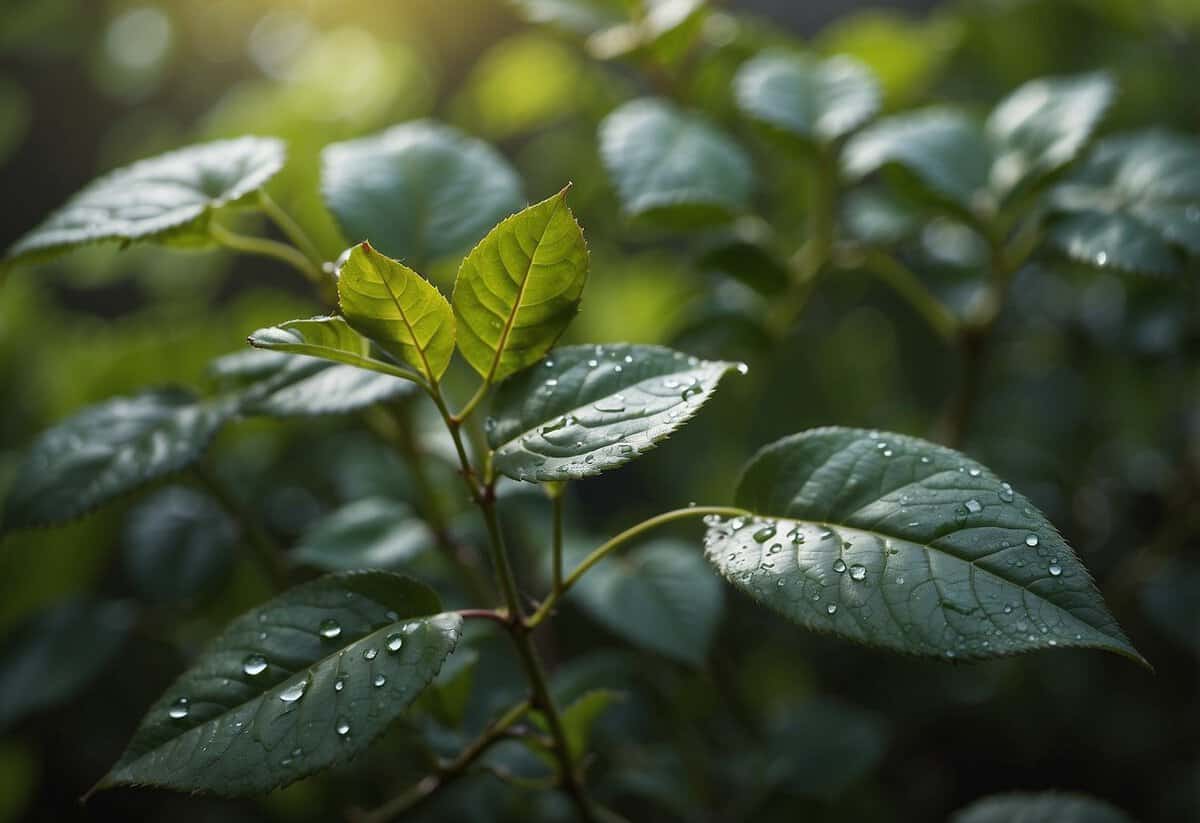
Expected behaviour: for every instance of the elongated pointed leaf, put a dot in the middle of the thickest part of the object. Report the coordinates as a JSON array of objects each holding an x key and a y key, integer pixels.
[
  {"x": 672, "y": 166},
  {"x": 375, "y": 533},
  {"x": 157, "y": 198},
  {"x": 817, "y": 100},
  {"x": 418, "y": 191},
  {"x": 397, "y": 308},
  {"x": 306, "y": 680},
  {"x": 899, "y": 543},
  {"x": 311, "y": 388},
  {"x": 519, "y": 288},
  {"x": 1044, "y": 807},
  {"x": 587, "y": 409},
  {"x": 110, "y": 449},
  {"x": 329, "y": 338}
]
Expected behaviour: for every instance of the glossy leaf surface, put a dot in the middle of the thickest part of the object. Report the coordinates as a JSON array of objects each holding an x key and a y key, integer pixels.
[
  {"x": 329, "y": 338},
  {"x": 814, "y": 100},
  {"x": 374, "y": 533},
  {"x": 178, "y": 544}
]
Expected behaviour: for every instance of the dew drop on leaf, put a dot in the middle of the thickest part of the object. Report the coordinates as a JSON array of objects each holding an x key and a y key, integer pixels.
[
  {"x": 330, "y": 628},
  {"x": 179, "y": 709},
  {"x": 394, "y": 641},
  {"x": 293, "y": 692},
  {"x": 254, "y": 664}
]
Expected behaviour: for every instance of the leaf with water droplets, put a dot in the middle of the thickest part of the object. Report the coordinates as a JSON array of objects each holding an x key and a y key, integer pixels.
[
  {"x": 326, "y": 338},
  {"x": 519, "y": 288},
  {"x": 372, "y": 533},
  {"x": 1044, "y": 807},
  {"x": 902, "y": 544},
  {"x": 168, "y": 198},
  {"x": 109, "y": 449},
  {"x": 266, "y": 702},
  {"x": 587, "y": 409}
]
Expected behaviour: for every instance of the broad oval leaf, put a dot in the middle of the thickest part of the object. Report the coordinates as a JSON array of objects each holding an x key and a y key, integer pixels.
[
  {"x": 293, "y": 686},
  {"x": 329, "y": 338},
  {"x": 587, "y": 409},
  {"x": 157, "y": 197},
  {"x": 672, "y": 166},
  {"x": 816, "y": 100},
  {"x": 374, "y": 533},
  {"x": 902, "y": 544},
  {"x": 397, "y": 308},
  {"x": 519, "y": 288},
  {"x": 418, "y": 191},
  {"x": 107, "y": 450},
  {"x": 1043, "y": 807},
  {"x": 1116, "y": 241}
]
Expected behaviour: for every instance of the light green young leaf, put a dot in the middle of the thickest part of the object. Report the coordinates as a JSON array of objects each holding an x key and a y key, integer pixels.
[
  {"x": 665, "y": 30},
  {"x": 1044, "y": 807},
  {"x": 329, "y": 338},
  {"x": 587, "y": 409},
  {"x": 519, "y": 288},
  {"x": 816, "y": 100},
  {"x": 161, "y": 198},
  {"x": 672, "y": 166},
  {"x": 899, "y": 543},
  {"x": 292, "y": 687},
  {"x": 373, "y": 533},
  {"x": 578, "y": 719},
  {"x": 178, "y": 544},
  {"x": 401, "y": 311},
  {"x": 418, "y": 191},
  {"x": 107, "y": 450}
]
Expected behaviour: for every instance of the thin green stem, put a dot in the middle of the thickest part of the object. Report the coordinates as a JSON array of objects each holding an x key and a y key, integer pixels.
[
  {"x": 268, "y": 553},
  {"x": 266, "y": 247},
  {"x": 291, "y": 229},
  {"x": 624, "y": 537},
  {"x": 908, "y": 286}
]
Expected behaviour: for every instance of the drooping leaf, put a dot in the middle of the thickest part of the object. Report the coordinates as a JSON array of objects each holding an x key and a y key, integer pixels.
[
  {"x": 53, "y": 656},
  {"x": 397, "y": 308},
  {"x": 374, "y": 533},
  {"x": 578, "y": 718},
  {"x": 816, "y": 100},
  {"x": 587, "y": 409},
  {"x": 293, "y": 686},
  {"x": 178, "y": 544},
  {"x": 672, "y": 166},
  {"x": 418, "y": 191},
  {"x": 1044, "y": 807},
  {"x": 329, "y": 338},
  {"x": 160, "y": 198},
  {"x": 898, "y": 543},
  {"x": 1134, "y": 203},
  {"x": 659, "y": 596},
  {"x": 519, "y": 288},
  {"x": 107, "y": 450}
]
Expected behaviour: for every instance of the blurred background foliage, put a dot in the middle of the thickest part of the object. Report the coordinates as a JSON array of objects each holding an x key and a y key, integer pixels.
[{"x": 1091, "y": 408}]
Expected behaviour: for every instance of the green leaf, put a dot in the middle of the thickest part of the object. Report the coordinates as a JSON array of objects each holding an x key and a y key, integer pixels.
[
  {"x": 397, "y": 308},
  {"x": 52, "y": 657},
  {"x": 663, "y": 32},
  {"x": 307, "y": 388},
  {"x": 660, "y": 596},
  {"x": 578, "y": 719},
  {"x": 519, "y": 288},
  {"x": 874, "y": 217},
  {"x": 1043, "y": 125},
  {"x": 1044, "y": 807},
  {"x": 374, "y": 533},
  {"x": 587, "y": 409},
  {"x": 898, "y": 543},
  {"x": 749, "y": 262},
  {"x": 1135, "y": 201},
  {"x": 107, "y": 450},
  {"x": 329, "y": 338},
  {"x": 576, "y": 16},
  {"x": 673, "y": 167},
  {"x": 448, "y": 698},
  {"x": 418, "y": 191},
  {"x": 304, "y": 681},
  {"x": 822, "y": 747},
  {"x": 817, "y": 100},
  {"x": 157, "y": 199},
  {"x": 178, "y": 544}
]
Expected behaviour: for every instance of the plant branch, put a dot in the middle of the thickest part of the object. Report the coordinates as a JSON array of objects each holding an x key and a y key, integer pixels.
[
  {"x": 268, "y": 553},
  {"x": 291, "y": 229},
  {"x": 905, "y": 283},
  {"x": 265, "y": 247}
]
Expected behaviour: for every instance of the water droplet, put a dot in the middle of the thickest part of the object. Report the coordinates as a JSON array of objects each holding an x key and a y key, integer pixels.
[
  {"x": 1007, "y": 609},
  {"x": 858, "y": 572},
  {"x": 973, "y": 506},
  {"x": 340, "y": 682},
  {"x": 1006, "y": 492},
  {"x": 593, "y": 364},
  {"x": 690, "y": 391},
  {"x": 293, "y": 692},
  {"x": 549, "y": 363},
  {"x": 617, "y": 368},
  {"x": 369, "y": 654},
  {"x": 551, "y": 383},
  {"x": 394, "y": 641},
  {"x": 764, "y": 534},
  {"x": 839, "y": 565},
  {"x": 831, "y": 608},
  {"x": 775, "y": 548},
  {"x": 1101, "y": 258},
  {"x": 554, "y": 425},
  {"x": 254, "y": 664},
  {"x": 489, "y": 425},
  {"x": 974, "y": 472},
  {"x": 742, "y": 368},
  {"x": 343, "y": 726},
  {"x": 379, "y": 680},
  {"x": 610, "y": 405},
  {"x": 329, "y": 628},
  {"x": 179, "y": 709},
  {"x": 881, "y": 445},
  {"x": 888, "y": 452},
  {"x": 628, "y": 358},
  {"x": 1031, "y": 540},
  {"x": 899, "y": 580},
  {"x": 1055, "y": 569}
]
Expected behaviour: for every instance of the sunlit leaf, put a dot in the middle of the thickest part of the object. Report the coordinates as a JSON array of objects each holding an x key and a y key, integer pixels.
[
  {"x": 374, "y": 533},
  {"x": 895, "y": 542},
  {"x": 178, "y": 544},
  {"x": 1046, "y": 807},
  {"x": 664, "y": 30},
  {"x": 329, "y": 338}
]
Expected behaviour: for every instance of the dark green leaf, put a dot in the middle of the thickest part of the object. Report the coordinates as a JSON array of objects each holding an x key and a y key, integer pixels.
[
  {"x": 672, "y": 166},
  {"x": 587, "y": 409},
  {"x": 310, "y": 387},
  {"x": 578, "y": 719},
  {"x": 329, "y": 338},
  {"x": 418, "y": 191},
  {"x": 519, "y": 288},
  {"x": 178, "y": 545},
  {"x": 749, "y": 262},
  {"x": 1117, "y": 241},
  {"x": 1046, "y": 807},
  {"x": 817, "y": 100},
  {"x": 449, "y": 695},
  {"x": 158, "y": 198},
  {"x": 52, "y": 657},
  {"x": 292, "y": 687},
  {"x": 874, "y": 217},
  {"x": 374, "y": 533},
  {"x": 895, "y": 542},
  {"x": 823, "y": 747},
  {"x": 107, "y": 450}
]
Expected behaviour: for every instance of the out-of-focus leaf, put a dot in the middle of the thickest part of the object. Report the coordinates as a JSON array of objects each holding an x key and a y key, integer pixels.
[
  {"x": 447, "y": 698},
  {"x": 899, "y": 543},
  {"x": 375, "y": 533},
  {"x": 587, "y": 409},
  {"x": 672, "y": 166},
  {"x": 1113, "y": 240},
  {"x": 110, "y": 449},
  {"x": 1046, "y": 807},
  {"x": 293, "y": 686},
  {"x": 666, "y": 29},
  {"x": 161, "y": 198},
  {"x": 578, "y": 719},
  {"x": 418, "y": 191},
  {"x": 824, "y": 747},
  {"x": 308, "y": 387},
  {"x": 877, "y": 218},
  {"x": 56, "y": 654},
  {"x": 750, "y": 263},
  {"x": 519, "y": 288},
  {"x": 578, "y": 16},
  {"x": 402, "y": 312},
  {"x": 178, "y": 545},
  {"x": 1171, "y": 599},
  {"x": 329, "y": 338}
]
